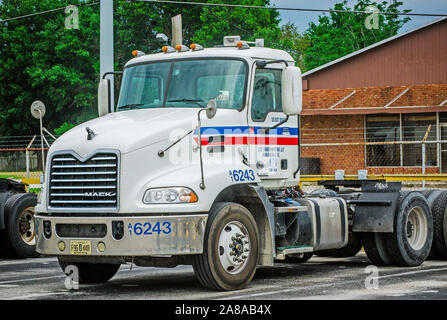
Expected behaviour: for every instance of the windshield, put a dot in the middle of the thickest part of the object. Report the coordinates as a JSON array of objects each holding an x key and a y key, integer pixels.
[{"x": 184, "y": 84}]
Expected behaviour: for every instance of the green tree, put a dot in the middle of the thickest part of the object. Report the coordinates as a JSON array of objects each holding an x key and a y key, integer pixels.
[
  {"x": 42, "y": 60},
  {"x": 294, "y": 43},
  {"x": 337, "y": 34},
  {"x": 249, "y": 23}
]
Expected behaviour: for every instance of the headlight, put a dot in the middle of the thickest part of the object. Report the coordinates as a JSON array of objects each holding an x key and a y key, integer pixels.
[{"x": 169, "y": 195}]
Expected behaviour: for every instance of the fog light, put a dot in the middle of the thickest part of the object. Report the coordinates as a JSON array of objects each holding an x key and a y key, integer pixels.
[
  {"x": 61, "y": 246},
  {"x": 101, "y": 246},
  {"x": 118, "y": 229}
]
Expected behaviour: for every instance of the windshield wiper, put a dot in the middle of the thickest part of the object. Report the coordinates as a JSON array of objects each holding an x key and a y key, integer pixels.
[
  {"x": 131, "y": 106},
  {"x": 196, "y": 101}
]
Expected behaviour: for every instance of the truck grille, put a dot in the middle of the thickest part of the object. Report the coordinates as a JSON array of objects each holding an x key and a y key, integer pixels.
[{"x": 84, "y": 184}]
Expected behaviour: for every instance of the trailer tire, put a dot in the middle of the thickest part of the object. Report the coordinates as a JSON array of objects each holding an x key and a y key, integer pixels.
[
  {"x": 231, "y": 233},
  {"x": 410, "y": 243},
  {"x": 295, "y": 258},
  {"x": 375, "y": 248},
  {"x": 18, "y": 239},
  {"x": 91, "y": 272},
  {"x": 438, "y": 205}
]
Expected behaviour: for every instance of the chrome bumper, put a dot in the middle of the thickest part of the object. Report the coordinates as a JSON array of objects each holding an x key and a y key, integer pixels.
[{"x": 141, "y": 236}]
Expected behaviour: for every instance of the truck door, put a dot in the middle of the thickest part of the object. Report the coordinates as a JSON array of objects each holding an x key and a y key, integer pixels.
[{"x": 274, "y": 155}]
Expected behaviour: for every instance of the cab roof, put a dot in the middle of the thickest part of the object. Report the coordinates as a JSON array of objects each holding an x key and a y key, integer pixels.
[{"x": 254, "y": 53}]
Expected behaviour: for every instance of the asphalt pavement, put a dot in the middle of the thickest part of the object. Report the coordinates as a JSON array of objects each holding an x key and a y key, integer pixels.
[{"x": 319, "y": 278}]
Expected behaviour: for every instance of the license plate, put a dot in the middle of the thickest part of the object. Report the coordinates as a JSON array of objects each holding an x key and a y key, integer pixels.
[{"x": 80, "y": 247}]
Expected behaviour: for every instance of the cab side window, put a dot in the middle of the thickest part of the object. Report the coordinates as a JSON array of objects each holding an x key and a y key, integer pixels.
[{"x": 266, "y": 93}]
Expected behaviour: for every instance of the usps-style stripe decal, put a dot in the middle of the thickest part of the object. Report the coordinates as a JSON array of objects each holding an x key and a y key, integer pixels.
[
  {"x": 248, "y": 130},
  {"x": 250, "y": 136}
]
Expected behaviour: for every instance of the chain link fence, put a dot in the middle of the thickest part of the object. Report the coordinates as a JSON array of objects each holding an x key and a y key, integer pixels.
[
  {"x": 21, "y": 158},
  {"x": 419, "y": 164},
  {"x": 389, "y": 152}
]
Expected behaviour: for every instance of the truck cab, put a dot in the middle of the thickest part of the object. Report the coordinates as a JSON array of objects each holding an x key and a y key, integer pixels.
[{"x": 189, "y": 168}]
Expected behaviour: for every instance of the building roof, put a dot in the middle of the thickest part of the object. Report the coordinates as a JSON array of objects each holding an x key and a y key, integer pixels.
[
  {"x": 377, "y": 44},
  {"x": 371, "y": 100}
]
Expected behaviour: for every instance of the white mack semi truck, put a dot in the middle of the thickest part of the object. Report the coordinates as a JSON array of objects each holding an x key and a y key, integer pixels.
[{"x": 197, "y": 165}]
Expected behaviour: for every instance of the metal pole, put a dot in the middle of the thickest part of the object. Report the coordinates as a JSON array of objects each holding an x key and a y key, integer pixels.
[
  {"x": 27, "y": 156},
  {"x": 41, "y": 142},
  {"x": 27, "y": 162},
  {"x": 423, "y": 153},
  {"x": 106, "y": 44},
  {"x": 423, "y": 163},
  {"x": 177, "y": 36}
]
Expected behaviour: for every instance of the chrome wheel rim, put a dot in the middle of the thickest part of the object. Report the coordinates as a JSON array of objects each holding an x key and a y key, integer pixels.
[
  {"x": 234, "y": 247},
  {"x": 27, "y": 226},
  {"x": 417, "y": 228}
]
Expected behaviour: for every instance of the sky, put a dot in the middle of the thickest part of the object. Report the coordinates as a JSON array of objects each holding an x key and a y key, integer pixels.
[{"x": 302, "y": 19}]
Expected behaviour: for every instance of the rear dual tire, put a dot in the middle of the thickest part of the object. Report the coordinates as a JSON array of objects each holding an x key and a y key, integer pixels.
[
  {"x": 298, "y": 258},
  {"x": 410, "y": 243},
  {"x": 438, "y": 203},
  {"x": 351, "y": 249}
]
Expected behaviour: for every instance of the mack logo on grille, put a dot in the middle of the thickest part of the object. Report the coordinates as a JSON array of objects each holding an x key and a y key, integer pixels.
[{"x": 99, "y": 194}]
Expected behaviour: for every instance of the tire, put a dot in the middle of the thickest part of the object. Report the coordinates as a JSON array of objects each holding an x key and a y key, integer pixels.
[
  {"x": 92, "y": 272},
  {"x": 230, "y": 233},
  {"x": 295, "y": 258},
  {"x": 438, "y": 205},
  {"x": 427, "y": 192},
  {"x": 410, "y": 243},
  {"x": 375, "y": 248},
  {"x": 19, "y": 238},
  {"x": 326, "y": 253},
  {"x": 350, "y": 250}
]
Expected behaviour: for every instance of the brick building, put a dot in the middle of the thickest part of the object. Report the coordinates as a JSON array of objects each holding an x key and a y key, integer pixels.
[{"x": 374, "y": 98}]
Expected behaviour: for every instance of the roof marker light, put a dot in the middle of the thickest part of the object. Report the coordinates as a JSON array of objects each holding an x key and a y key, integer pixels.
[
  {"x": 196, "y": 47},
  {"x": 242, "y": 45},
  {"x": 138, "y": 53},
  {"x": 167, "y": 49},
  {"x": 182, "y": 48}
]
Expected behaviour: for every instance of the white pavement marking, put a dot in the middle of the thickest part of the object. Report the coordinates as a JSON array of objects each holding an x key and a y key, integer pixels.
[
  {"x": 8, "y": 286},
  {"x": 27, "y": 261},
  {"x": 245, "y": 296},
  {"x": 40, "y": 295},
  {"x": 31, "y": 279}
]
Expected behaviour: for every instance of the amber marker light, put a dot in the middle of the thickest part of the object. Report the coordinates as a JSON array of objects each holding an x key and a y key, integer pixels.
[{"x": 196, "y": 47}]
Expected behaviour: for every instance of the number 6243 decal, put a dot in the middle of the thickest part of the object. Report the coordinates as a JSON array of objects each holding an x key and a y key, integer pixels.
[
  {"x": 242, "y": 175},
  {"x": 147, "y": 228}
]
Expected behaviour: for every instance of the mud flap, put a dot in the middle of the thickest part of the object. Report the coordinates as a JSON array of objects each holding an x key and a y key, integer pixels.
[{"x": 376, "y": 207}]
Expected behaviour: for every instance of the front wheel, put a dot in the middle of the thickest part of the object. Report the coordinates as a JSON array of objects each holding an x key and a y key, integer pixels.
[{"x": 230, "y": 249}]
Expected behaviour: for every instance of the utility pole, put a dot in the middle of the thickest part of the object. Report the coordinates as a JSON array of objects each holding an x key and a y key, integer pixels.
[
  {"x": 177, "y": 36},
  {"x": 106, "y": 43}
]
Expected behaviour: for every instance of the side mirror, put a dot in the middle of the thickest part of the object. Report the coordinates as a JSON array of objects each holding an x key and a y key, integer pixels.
[
  {"x": 211, "y": 109},
  {"x": 292, "y": 91},
  {"x": 104, "y": 97}
]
